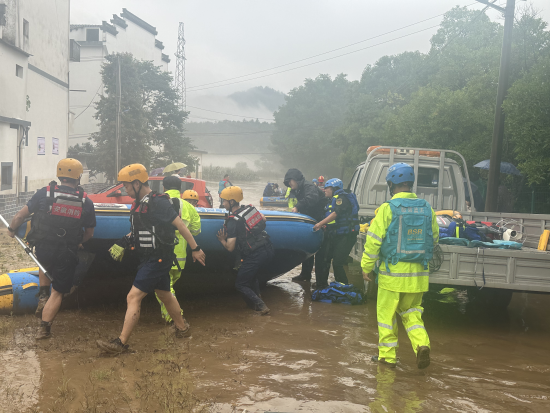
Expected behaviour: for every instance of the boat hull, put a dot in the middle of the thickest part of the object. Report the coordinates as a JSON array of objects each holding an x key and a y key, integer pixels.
[
  {"x": 277, "y": 201},
  {"x": 19, "y": 291}
]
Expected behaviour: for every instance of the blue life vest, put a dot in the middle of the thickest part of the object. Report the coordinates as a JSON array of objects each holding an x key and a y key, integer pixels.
[
  {"x": 344, "y": 223},
  {"x": 409, "y": 237}
]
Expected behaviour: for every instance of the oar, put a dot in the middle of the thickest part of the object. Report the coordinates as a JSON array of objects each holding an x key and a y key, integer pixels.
[{"x": 28, "y": 250}]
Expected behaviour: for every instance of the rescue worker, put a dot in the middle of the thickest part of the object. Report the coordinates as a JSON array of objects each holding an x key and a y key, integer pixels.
[
  {"x": 311, "y": 201},
  {"x": 224, "y": 183},
  {"x": 244, "y": 230},
  {"x": 192, "y": 221},
  {"x": 315, "y": 181},
  {"x": 153, "y": 222},
  {"x": 192, "y": 197},
  {"x": 291, "y": 198},
  {"x": 402, "y": 236},
  {"x": 342, "y": 227},
  {"x": 63, "y": 219},
  {"x": 321, "y": 182}
]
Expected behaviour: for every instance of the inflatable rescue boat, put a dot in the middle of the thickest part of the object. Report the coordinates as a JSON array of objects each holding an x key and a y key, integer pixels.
[{"x": 277, "y": 201}]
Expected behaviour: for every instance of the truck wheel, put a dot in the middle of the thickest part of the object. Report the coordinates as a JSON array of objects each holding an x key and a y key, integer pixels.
[{"x": 495, "y": 298}]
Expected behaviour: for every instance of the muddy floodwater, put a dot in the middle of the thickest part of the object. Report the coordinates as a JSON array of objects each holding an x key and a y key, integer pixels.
[{"x": 306, "y": 356}]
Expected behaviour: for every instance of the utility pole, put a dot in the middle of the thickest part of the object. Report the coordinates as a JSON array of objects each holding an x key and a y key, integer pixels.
[
  {"x": 498, "y": 128},
  {"x": 119, "y": 92},
  {"x": 179, "y": 78}
]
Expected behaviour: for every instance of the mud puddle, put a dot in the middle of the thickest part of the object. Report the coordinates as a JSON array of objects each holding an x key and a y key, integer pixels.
[{"x": 306, "y": 356}]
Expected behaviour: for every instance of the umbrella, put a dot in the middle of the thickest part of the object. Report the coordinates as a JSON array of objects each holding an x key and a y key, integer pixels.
[
  {"x": 176, "y": 166},
  {"x": 505, "y": 167},
  {"x": 156, "y": 172}
]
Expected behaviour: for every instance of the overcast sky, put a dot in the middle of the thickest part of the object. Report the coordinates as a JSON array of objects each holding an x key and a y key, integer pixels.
[{"x": 230, "y": 38}]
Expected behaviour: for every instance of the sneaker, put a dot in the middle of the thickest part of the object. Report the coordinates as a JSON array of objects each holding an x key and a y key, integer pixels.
[
  {"x": 186, "y": 332},
  {"x": 113, "y": 346},
  {"x": 42, "y": 300},
  {"x": 44, "y": 331},
  {"x": 302, "y": 277},
  {"x": 423, "y": 357},
  {"x": 383, "y": 361}
]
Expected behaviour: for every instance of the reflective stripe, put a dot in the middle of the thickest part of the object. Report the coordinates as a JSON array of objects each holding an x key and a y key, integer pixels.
[
  {"x": 411, "y": 310},
  {"x": 414, "y": 252},
  {"x": 152, "y": 232},
  {"x": 182, "y": 259},
  {"x": 385, "y": 326},
  {"x": 374, "y": 257},
  {"x": 146, "y": 238},
  {"x": 387, "y": 344},
  {"x": 144, "y": 232},
  {"x": 405, "y": 274},
  {"x": 414, "y": 328},
  {"x": 146, "y": 245},
  {"x": 376, "y": 237}
]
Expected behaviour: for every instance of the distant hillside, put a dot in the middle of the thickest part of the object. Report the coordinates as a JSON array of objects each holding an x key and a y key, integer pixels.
[
  {"x": 260, "y": 95},
  {"x": 231, "y": 137}
]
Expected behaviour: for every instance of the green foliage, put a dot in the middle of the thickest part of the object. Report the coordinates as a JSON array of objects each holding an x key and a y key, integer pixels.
[
  {"x": 527, "y": 109},
  {"x": 305, "y": 137},
  {"x": 444, "y": 99},
  {"x": 151, "y": 130}
]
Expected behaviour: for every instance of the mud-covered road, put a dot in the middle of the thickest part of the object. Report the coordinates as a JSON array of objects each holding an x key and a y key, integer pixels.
[{"x": 305, "y": 356}]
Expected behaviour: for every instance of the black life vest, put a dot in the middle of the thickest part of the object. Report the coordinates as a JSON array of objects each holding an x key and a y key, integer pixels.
[
  {"x": 59, "y": 216},
  {"x": 151, "y": 239},
  {"x": 251, "y": 233}
]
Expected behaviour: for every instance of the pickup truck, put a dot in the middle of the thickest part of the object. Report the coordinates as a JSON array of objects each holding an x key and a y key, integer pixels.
[{"x": 442, "y": 179}]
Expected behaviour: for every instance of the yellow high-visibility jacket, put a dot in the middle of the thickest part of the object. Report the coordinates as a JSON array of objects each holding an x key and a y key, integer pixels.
[
  {"x": 192, "y": 221},
  {"x": 400, "y": 278},
  {"x": 291, "y": 201}
]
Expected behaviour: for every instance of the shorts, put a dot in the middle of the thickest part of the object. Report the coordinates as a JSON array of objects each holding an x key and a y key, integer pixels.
[
  {"x": 60, "y": 261},
  {"x": 153, "y": 275}
]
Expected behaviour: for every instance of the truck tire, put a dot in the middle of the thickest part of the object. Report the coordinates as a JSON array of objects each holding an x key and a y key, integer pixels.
[{"x": 494, "y": 298}]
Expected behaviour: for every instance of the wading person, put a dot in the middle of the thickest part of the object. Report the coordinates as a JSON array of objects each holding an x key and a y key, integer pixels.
[
  {"x": 245, "y": 230},
  {"x": 310, "y": 201},
  {"x": 224, "y": 183},
  {"x": 192, "y": 221},
  {"x": 153, "y": 222},
  {"x": 63, "y": 218},
  {"x": 402, "y": 237},
  {"x": 342, "y": 227}
]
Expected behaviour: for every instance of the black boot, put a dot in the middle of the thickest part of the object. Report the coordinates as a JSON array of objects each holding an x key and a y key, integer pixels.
[{"x": 44, "y": 331}]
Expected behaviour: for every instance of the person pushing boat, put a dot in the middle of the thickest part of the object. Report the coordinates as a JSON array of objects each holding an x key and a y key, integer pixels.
[
  {"x": 153, "y": 222},
  {"x": 244, "y": 230}
]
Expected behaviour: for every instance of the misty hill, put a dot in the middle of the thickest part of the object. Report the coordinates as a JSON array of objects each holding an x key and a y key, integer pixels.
[
  {"x": 231, "y": 137},
  {"x": 256, "y": 96}
]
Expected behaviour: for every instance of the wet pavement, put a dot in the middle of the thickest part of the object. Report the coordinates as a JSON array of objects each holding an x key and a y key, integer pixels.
[{"x": 305, "y": 356}]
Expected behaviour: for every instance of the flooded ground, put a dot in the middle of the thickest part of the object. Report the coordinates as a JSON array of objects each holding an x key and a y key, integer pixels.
[{"x": 305, "y": 356}]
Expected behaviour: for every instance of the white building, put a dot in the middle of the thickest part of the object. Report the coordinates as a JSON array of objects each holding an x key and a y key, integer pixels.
[
  {"x": 34, "y": 95},
  {"x": 127, "y": 33}
]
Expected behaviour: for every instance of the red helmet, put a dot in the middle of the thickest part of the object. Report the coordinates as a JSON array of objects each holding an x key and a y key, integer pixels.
[{"x": 321, "y": 178}]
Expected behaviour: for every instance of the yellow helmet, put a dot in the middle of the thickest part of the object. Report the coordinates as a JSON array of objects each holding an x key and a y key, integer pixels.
[
  {"x": 133, "y": 172},
  {"x": 190, "y": 194},
  {"x": 232, "y": 192},
  {"x": 69, "y": 168}
]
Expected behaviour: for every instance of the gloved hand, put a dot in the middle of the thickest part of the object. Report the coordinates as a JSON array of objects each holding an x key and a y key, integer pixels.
[{"x": 117, "y": 252}]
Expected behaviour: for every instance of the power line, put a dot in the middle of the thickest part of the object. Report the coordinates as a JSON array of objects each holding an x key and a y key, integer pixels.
[
  {"x": 319, "y": 61},
  {"x": 95, "y": 94},
  {"x": 324, "y": 53}
]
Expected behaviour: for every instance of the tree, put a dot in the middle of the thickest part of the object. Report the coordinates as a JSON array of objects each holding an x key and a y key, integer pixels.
[
  {"x": 527, "y": 110},
  {"x": 305, "y": 124},
  {"x": 151, "y": 131}
]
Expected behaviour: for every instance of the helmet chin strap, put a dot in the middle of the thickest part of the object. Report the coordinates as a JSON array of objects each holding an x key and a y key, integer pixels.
[{"x": 138, "y": 192}]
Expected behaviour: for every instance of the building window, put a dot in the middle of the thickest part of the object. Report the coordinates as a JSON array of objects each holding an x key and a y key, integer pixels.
[
  {"x": 26, "y": 29},
  {"x": 92, "y": 35},
  {"x": 6, "y": 175},
  {"x": 19, "y": 71}
]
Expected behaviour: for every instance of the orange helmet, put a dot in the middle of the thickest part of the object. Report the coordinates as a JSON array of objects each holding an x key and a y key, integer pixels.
[
  {"x": 321, "y": 178},
  {"x": 232, "y": 192},
  {"x": 133, "y": 172},
  {"x": 69, "y": 168},
  {"x": 190, "y": 194}
]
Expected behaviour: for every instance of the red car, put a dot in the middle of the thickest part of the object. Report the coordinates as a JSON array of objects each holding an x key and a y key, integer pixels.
[{"x": 116, "y": 194}]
